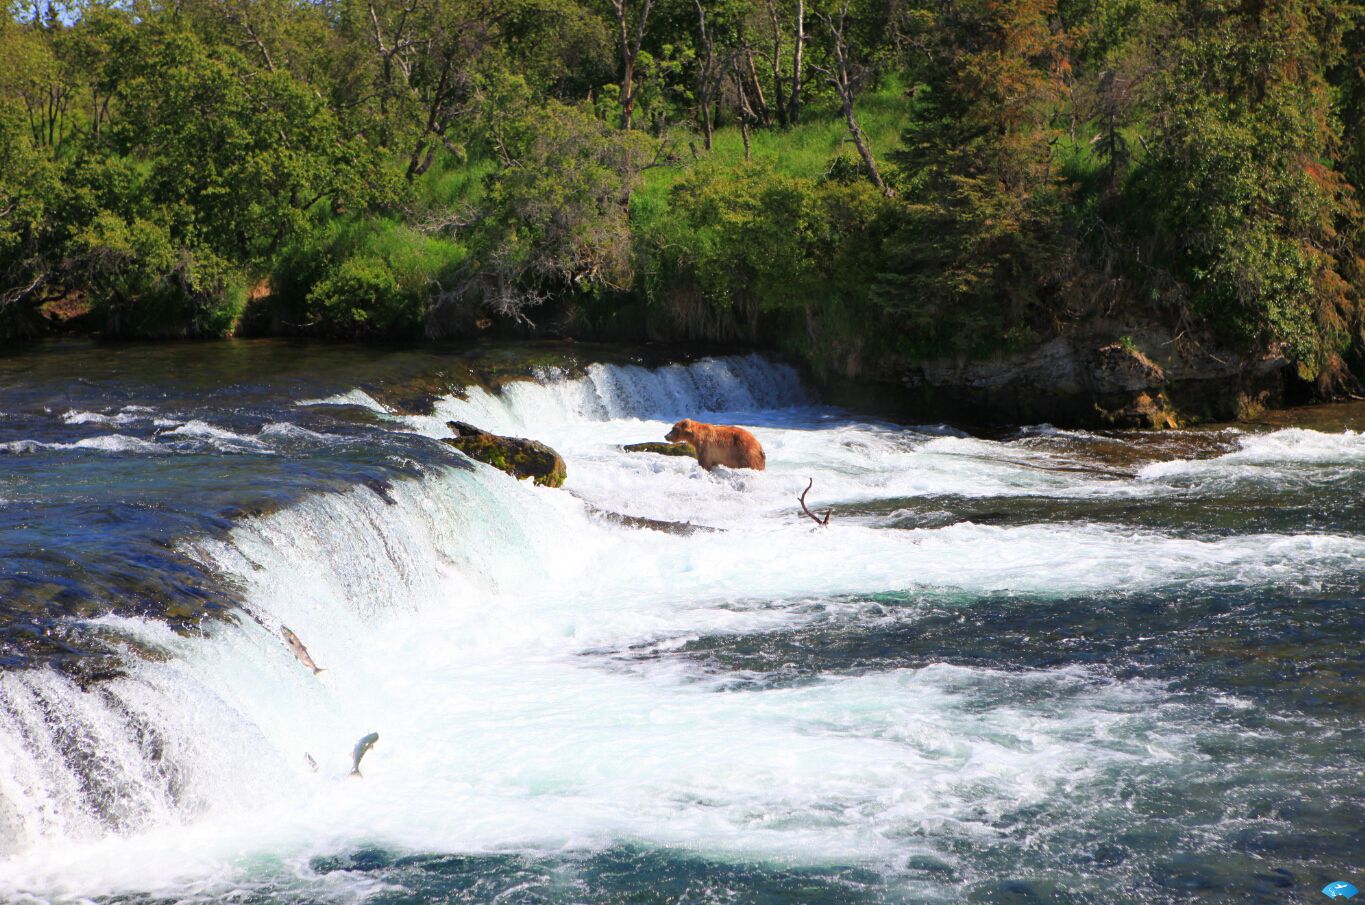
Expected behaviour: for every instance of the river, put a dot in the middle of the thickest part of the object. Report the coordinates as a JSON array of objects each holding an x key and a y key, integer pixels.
[{"x": 1032, "y": 666}]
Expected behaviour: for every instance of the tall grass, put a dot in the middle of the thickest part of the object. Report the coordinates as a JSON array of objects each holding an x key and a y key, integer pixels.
[{"x": 803, "y": 151}]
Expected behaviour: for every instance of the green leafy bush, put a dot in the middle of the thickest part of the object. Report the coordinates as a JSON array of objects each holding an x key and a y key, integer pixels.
[
  {"x": 362, "y": 297},
  {"x": 143, "y": 283}
]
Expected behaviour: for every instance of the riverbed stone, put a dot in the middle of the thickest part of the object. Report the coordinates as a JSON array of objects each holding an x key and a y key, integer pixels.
[{"x": 519, "y": 457}]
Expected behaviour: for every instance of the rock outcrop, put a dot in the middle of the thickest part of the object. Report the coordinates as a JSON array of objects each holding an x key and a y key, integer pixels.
[
  {"x": 662, "y": 448},
  {"x": 1147, "y": 380},
  {"x": 518, "y": 457}
]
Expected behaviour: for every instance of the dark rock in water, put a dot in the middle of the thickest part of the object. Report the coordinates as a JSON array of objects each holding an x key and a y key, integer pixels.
[
  {"x": 650, "y": 524},
  {"x": 382, "y": 489},
  {"x": 663, "y": 449},
  {"x": 518, "y": 457}
]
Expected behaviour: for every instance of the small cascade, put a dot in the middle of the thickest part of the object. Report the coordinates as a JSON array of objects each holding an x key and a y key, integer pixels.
[{"x": 605, "y": 392}]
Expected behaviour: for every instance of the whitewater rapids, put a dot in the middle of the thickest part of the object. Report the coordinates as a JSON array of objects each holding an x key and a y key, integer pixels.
[{"x": 519, "y": 653}]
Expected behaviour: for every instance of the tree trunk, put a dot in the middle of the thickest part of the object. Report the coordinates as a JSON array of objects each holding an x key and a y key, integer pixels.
[
  {"x": 845, "y": 82},
  {"x": 864, "y": 149},
  {"x": 764, "y": 116},
  {"x": 798, "y": 52},
  {"x": 628, "y": 92},
  {"x": 743, "y": 111},
  {"x": 704, "y": 80},
  {"x": 630, "y": 53},
  {"x": 779, "y": 102}
]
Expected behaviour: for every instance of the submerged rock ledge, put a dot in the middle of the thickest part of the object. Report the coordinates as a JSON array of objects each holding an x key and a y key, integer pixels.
[{"x": 662, "y": 448}]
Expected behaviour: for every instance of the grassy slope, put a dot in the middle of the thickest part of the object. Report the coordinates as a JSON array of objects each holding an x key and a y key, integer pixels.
[{"x": 803, "y": 151}]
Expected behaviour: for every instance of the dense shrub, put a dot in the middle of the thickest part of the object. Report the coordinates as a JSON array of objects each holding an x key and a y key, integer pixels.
[
  {"x": 394, "y": 272},
  {"x": 752, "y": 239},
  {"x": 361, "y": 297},
  {"x": 143, "y": 283}
]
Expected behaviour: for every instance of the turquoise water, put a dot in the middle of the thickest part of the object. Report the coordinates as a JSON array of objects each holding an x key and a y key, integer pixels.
[{"x": 1047, "y": 666}]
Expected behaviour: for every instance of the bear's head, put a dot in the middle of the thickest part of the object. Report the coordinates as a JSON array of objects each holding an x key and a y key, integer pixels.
[{"x": 681, "y": 431}]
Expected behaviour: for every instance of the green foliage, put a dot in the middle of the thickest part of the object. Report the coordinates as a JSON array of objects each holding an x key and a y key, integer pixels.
[
  {"x": 554, "y": 213},
  {"x": 748, "y": 238},
  {"x": 1237, "y": 179},
  {"x": 362, "y": 278},
  {"x": 361, "y": 296},
  {"x": 145, "y": 284},
  {"x": 985, "y": 238},
  {"x": 747, "y": 231},
  {"x": 237, "y": 157},
  {"x": 386, "y": 168},
  {"x": 28, "y": 184}
]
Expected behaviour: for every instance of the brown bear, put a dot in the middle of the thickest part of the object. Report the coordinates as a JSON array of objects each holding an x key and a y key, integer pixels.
[{"x": 719, "y": 444}]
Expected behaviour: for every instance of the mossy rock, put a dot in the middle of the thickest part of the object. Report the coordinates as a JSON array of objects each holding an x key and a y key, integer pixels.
[
  {"x": 520, "y": 458},
  {"x": 663, "y": 449}
]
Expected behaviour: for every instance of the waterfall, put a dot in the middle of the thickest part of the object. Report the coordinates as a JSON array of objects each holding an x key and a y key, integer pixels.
[
  {"x": 603, "y": 393},
  {"x": 217, "y": 723},
  {"x": 519, "y": 655}
]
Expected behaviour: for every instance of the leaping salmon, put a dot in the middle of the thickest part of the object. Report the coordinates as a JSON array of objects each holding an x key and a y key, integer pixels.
[
  {"x": 362, "y": 746},
  {"x": 300, "y": 652}
]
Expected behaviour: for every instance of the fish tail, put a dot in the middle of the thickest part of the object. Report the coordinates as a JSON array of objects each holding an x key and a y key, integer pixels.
[
  {"x": 318, "y": 669},
  {"x": 356, "y": 773}
]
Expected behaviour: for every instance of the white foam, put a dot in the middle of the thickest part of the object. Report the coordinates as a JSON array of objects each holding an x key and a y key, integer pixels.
[
  {"x": 111, "y": 443},
  {"x": 218, "y": 437},
  {"x": 1279, "y": 454},
  {"x": 623, "y": 392},
  {"x": 118, "y": 443},
  {"x": 22, "y": 447},
  {"x": 290, "y": 431},
  {"x": 351, "y": 397},
  {"x": 78, "y": 417},
  {"x": 129, "y": 414}
]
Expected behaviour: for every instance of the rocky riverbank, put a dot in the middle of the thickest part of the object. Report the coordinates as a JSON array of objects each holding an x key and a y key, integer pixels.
[{"x": 1145, "y": 380}]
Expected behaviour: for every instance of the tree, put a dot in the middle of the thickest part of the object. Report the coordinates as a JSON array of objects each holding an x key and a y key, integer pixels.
[
  {"x": 849, "y": 71},
  {"x": 240, "y": 157},
  {"x": 986, "y": 237},
  {"x": 555, "y": 215},
  {"x": 788, "y": 102},
  {"x": 1266, "y": 231},
  {"x": 630, "y": 38},
  {"x": 28, "y": 185}
]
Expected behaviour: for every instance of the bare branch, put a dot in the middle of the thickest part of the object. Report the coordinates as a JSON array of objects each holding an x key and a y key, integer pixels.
[{"x": 822, "y": 522}]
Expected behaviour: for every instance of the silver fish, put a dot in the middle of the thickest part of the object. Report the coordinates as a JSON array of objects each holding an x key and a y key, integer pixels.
[
  {"x": 299, "y": 650},
  {"x": 362, "y": 746}
]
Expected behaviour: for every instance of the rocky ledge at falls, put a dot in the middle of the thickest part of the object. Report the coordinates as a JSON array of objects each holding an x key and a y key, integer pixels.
[
  {"x": 1148, "y": 379},
  {"x": 518, "y": 457}
]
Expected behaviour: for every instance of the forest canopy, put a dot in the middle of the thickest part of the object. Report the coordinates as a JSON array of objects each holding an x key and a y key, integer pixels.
[{"x": 861, "y": 182}]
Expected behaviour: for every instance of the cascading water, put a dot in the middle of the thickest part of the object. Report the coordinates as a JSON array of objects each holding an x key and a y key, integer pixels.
[{"x": 910, "y": 705}]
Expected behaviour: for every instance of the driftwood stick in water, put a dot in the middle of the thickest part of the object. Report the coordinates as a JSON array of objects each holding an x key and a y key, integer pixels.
[{"x": 822, "y": 522}]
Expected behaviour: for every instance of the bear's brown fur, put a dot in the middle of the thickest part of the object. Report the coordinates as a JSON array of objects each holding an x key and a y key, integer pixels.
[{"x": 720, "y": 444}]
